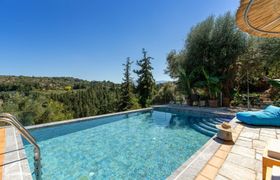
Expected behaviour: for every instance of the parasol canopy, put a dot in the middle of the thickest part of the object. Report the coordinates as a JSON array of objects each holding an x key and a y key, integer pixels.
[{"x": 259, "y": 17}]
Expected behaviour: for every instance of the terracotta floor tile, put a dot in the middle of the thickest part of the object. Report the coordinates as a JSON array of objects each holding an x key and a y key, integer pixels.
[
  {"x": 216, "y": 162},
  {"x": 200, "y": 177},
  {"x": 221, "y": 154},
  {"x": 226, "y": 148},
  {"x": 209, "y": 171}
]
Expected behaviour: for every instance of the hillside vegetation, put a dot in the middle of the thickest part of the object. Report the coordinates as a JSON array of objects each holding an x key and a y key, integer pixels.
[{"x": 38, "y": 100}]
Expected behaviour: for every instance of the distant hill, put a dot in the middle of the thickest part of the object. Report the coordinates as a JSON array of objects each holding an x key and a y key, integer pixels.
[{"x": 27, "y": 83}]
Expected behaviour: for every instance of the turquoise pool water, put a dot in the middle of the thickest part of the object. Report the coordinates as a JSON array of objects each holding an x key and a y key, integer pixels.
[{"x": 145, "y": 145}]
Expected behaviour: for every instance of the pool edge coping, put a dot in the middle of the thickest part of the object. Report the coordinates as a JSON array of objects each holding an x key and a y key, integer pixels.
[
  {"x": 89, "y": 118},
  {"x": 193, "y": 165},
  {"x": 15, "y": 164}
]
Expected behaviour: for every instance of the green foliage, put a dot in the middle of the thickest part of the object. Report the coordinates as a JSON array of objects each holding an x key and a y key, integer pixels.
[
  {"x": 67, "y": 88},
  {"x": 145, "y": 81},
  {"x": 274, "y": 82},
  {"x": 101, "y": 98},
  {"x": 127, "y": 100},
  {"x": 212, "y": 84},
  {"x": 33, "y": 105},
  {"x": 174, "y": 62},
  {"x": 26, "y": 83},
  {"x": 34, "y": 109},
  {"x": 217, "y": 56},
  {"x": 165, "y": 94}
]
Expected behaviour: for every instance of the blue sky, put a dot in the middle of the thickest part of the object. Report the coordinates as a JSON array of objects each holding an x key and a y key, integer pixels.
[{"x": 90, "y": 39}]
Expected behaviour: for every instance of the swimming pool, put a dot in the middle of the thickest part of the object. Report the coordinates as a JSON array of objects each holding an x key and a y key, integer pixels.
[{"x": 143, "y": 145}]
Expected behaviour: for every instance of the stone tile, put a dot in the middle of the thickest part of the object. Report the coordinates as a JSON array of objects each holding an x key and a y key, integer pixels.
[
  {"x": 245, "y": 139},
  {"x": 247, "y": 144},
  {"x": 236, "y": 172},
  {"x": 278, "y": 136},
  {"x": 268, "y": 131},
  {"x": 258, "y": 156},
  {"x": 254, "y": 130},
  {"x": 226, "y": 148},
  {"x": 278, "y": 130},
  {"x": 209, "y": 171},
  {"x": 250, "y": 135},
  {"x": 258, "y": 166},
  {"x": 266, "y": 138},
  {"x": 259, "y": 176},
  {"x": 268, "y": 135},
  {"x": 243, "y": 151},
  {"x": 241, "y": 160},
  {"x": 220, "y": 177},
  {"x": 216, "y": 162},
  {"x": 259, "y": 144},
  {"x": 221, "y": 154},
  {"x": 260, "y": 151},
  {"x": 201, "y": 177}
]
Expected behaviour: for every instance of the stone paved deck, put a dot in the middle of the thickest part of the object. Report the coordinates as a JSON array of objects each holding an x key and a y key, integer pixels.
[
  {"x": 14, "y": 165},
  {"x": 243, "y": 158}
]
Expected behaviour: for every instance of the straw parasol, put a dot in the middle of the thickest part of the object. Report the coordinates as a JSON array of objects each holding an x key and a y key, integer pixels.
[{"x": 259, "y": 17}]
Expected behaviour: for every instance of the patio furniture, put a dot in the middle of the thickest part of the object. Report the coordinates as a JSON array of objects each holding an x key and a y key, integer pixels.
[
  {"x": 271, "y": 157},
  {"x": 270, "y": 116}
]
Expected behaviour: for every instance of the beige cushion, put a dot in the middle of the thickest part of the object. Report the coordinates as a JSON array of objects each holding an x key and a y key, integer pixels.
[
  {"x": 275, "y": 173},
  {"x": 273, "y": 149}
]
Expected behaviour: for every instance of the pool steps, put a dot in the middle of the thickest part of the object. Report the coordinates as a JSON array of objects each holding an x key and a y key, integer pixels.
[{"x": 205, "y": 127}]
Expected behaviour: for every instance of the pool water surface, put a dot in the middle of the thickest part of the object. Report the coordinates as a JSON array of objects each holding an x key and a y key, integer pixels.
[{"x": 143, "y": 145}]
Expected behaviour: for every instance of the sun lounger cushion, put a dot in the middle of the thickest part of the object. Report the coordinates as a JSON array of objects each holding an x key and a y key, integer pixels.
[{"x": 269, "y": 116}]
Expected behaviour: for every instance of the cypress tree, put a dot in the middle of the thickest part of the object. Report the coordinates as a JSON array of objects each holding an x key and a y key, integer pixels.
[
  {"x": 145, "y": 82},
  {"x": 126, "y": 88}
]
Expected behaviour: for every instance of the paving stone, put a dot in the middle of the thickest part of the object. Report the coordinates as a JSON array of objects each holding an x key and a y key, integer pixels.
[
  {"x": 267, "y": 138},
  {"x": 278, "y": 136},
  {"x": 258, "y": 156},
  {"x": 247, "y": 144},
  {"x": 259, "y": 144},
  {"x": 258, "y": 166},
  {"x": 226, "y": 148},
  {"x": 243, "y": 151},
  {"x": 259, "y": 176},
  {"x": 268, "y": 135},
  {"x": 278, "y": 130},
  {"x": 236, "y": 172},
  {"x": 268, "y": 131},
  {"x": 221, "y": 154},
  {"x": 209, "y": 171},
  {"x": 250, "y": 135},
  {"x": 216, "y": 162},
  {"x": 254, "y": 130},
  {"x": 200, "y": 177},
  {"x": 244, "y": 139},
  {"x": 260, "y": 151},
  {"x": 242, "y": 160},
  {"x": 220, "y": 177}
]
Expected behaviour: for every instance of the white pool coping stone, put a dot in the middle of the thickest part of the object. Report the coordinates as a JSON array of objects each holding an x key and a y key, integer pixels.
[{"x": 16, "y": 164}]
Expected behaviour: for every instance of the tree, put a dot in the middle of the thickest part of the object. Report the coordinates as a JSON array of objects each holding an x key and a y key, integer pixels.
[
  {"x": 227, "y": 44},
  {"x": 174, "y": 62},
  {"x": 214, "y": 45},
  {"x": 145, "y": 82},
  {"x": 126, "y": 88}
]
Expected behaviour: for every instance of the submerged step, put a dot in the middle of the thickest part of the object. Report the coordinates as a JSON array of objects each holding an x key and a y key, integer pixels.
[{"x": 205, "y": 126}]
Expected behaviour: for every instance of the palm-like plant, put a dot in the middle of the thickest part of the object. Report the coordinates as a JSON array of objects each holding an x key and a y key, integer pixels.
[
  {"x": 211, "y": 83},
  {"x": 184, "y": 82}
]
